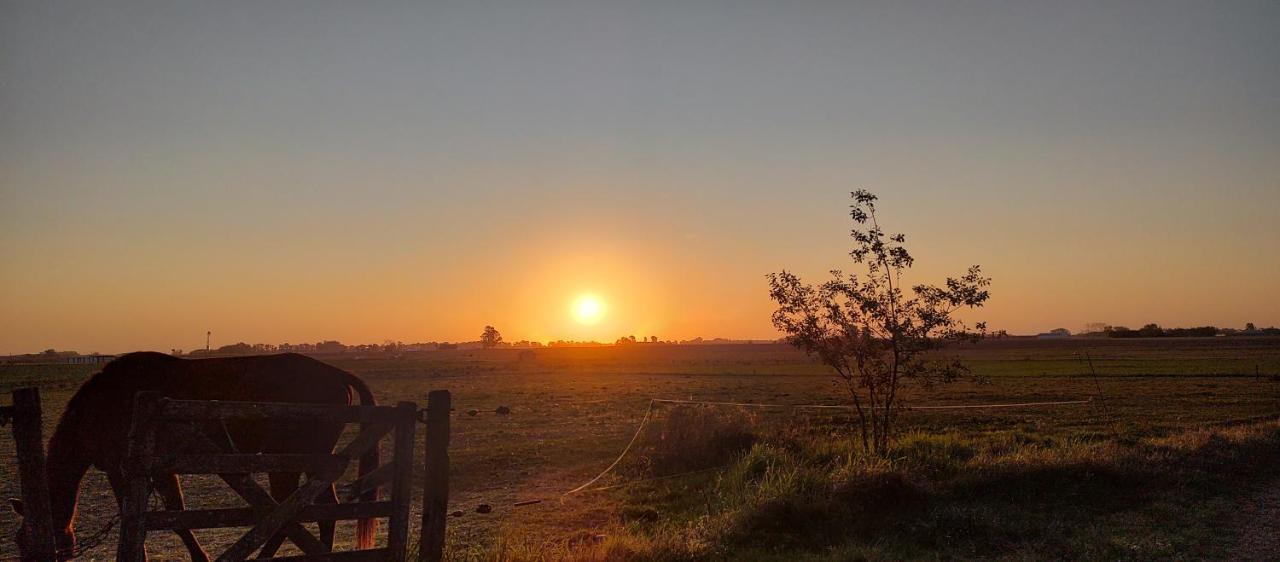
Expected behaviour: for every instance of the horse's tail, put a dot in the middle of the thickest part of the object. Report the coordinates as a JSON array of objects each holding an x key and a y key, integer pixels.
[{"x": 366, "y": 529}]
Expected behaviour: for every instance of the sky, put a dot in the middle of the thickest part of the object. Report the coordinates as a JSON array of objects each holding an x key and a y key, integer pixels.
[{"x": 296, "y": 171}]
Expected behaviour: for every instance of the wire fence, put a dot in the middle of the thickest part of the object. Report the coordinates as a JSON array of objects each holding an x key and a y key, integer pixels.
[{"x": 846, "y": 407}]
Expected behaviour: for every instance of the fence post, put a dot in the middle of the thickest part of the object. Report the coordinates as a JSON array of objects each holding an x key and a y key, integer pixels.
[
  {"x": 137, "y": 471},
  {"x": 435, "y": 496},
  {"x": 402, "y": 481},
  {"x": 32, "y": 476}
]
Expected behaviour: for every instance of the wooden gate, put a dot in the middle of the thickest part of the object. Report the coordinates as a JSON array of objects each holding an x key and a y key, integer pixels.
[{"x": 181, "y": 422}]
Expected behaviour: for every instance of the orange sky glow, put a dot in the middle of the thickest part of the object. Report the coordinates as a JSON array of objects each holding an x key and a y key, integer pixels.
[{"x": 419, "y": 172}]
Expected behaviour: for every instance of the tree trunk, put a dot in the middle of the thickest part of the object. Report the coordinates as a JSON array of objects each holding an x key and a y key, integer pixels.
[{"x": 862, "y": 414}]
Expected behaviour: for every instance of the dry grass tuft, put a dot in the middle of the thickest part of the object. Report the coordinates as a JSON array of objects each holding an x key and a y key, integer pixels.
[{"x": 694, "y": 438}]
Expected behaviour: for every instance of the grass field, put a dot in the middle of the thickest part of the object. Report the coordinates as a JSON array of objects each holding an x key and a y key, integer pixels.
[{"x": 1164, "y": 463}]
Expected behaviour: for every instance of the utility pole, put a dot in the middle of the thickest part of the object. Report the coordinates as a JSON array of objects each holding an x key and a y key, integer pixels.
[{"x": 206, "y": 341}]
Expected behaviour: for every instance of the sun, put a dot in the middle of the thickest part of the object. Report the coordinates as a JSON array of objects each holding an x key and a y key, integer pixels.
[{"x": 587, "y": 309}]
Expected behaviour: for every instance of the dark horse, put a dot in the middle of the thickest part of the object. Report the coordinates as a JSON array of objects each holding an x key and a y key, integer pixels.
[{"x": 94, "y": 429}]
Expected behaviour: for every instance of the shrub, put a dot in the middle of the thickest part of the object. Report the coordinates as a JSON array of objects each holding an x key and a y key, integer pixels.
[{"x": 694, "y": 438}]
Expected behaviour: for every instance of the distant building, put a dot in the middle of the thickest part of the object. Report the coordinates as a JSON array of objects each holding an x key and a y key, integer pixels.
[
  {"x": 89, "y": 359},
  {"x": 1055, "y": 333}
]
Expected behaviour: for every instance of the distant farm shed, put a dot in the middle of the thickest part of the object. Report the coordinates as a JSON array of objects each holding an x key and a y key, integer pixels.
[{"x": 89, "y": 359}]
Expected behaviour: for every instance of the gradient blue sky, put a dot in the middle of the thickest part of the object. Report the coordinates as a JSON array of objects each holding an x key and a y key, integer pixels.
[{"x": 291, "y": 171}]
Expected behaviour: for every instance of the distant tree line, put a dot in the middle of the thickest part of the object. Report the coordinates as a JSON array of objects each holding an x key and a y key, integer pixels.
[
  {"x": 631, "y": 340},
  {"x": 490, "y": 338},
  {"x": 1156, "y": 331},
  {"x": 337, "y": 347}
]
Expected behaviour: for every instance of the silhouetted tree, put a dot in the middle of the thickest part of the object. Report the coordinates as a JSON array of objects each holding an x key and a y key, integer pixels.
[
  {"x": 330, "y": 346},
  {"x": 490, "y": 337},
  {"x": 1198, "y": 332},
  {"x": 1120, "y": 332},
  {"x": 239, "y": 348},
  {"x": 869, "y": 330},
  {"x": 1095, "y": 327}
]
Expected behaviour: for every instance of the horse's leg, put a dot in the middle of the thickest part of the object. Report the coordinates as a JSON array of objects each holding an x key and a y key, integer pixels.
[
  {"x": 283, "y": 485},
  {"x": 327, "y": 527},
  {"x": 117, "y": 481},
  {"x": 171, "y": 492},
  {"x": 119, "y": 487},
  {"x": 323, "y": 441}
]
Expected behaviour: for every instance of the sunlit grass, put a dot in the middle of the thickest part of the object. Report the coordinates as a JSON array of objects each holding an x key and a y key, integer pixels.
[{"x": 1004, "y": 495}]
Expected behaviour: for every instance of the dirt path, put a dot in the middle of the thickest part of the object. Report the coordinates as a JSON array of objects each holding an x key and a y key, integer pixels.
[{"x": 1260, "y": 527}]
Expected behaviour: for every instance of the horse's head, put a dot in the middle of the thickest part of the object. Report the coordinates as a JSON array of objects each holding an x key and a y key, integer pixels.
[{"x": 24, "y": 536}]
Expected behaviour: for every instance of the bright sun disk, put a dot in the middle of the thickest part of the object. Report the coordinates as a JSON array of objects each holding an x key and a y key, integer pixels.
[{"x": 588, "y": 309}]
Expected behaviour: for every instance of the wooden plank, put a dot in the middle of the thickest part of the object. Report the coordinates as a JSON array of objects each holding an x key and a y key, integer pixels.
[
  {"x": 32, "y": 475},
  {"x": 142, "y": 437},
  {"x": 303, "y": 496},
  {"x": 249, "y": 490},
  {"x": 375, "y": 479},
  {"x": 203, "y": 410},
  {"x": 435, "y": 496},
  {"x": 231, "y": 463},
  {"x": 273, "y": 545},
  {"x": 367, "y": 438},
  {"x": 377, "y": 555},
  {"x": 247, "y": 516},
  {"x": 402, "y": 483}
]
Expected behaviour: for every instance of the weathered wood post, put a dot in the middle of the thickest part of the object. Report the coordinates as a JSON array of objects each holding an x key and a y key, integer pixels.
[
  {"x": 137, "y": 469},
  {"x": 402, "y": 480},
  {"x": 29, "y": 440},
  {"x": 435, "y": 493}
]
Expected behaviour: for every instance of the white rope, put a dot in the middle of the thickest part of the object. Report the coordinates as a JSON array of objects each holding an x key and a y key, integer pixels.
[{"x": 623, "y": 454}]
